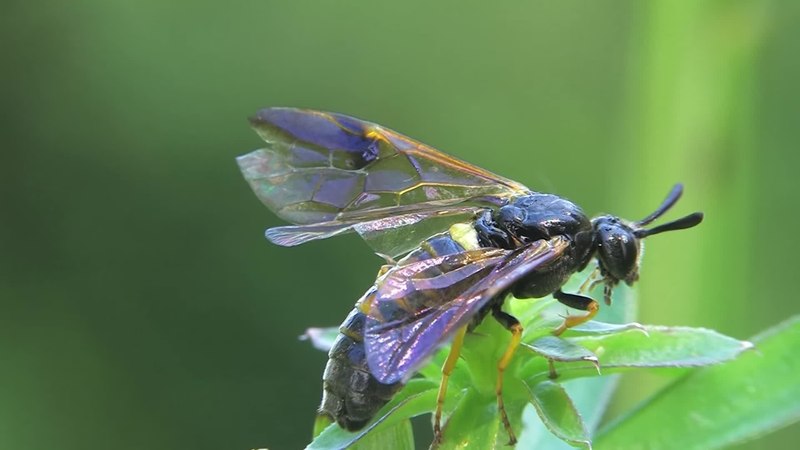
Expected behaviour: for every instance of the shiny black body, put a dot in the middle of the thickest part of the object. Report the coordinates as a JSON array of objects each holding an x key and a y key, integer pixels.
[{"x": 540, "y": 216}]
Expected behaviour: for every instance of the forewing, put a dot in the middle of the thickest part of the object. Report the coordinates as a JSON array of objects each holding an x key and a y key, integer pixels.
[
  {"x": 417, "y": 308},
  {"x": 334, "y": 171}
]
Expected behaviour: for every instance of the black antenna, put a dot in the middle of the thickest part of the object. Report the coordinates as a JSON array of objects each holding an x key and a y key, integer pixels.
[
  {"x": 680, "y": 224},
  {"x": 672, "y": 197}
]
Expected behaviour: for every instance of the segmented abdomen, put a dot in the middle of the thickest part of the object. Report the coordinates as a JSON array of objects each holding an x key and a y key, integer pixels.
[{"x": 351, "y": 395}]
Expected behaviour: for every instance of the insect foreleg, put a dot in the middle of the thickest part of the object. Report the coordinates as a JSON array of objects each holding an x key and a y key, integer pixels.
[{"x": 575, "y": 301}]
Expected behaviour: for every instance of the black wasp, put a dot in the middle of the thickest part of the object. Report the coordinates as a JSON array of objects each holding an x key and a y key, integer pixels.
[{"x": 466, "y": 238}]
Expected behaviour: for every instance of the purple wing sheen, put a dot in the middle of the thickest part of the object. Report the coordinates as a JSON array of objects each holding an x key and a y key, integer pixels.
[
  {"x": 333, "y": 171},
  {"x": 416, "y": 308}
]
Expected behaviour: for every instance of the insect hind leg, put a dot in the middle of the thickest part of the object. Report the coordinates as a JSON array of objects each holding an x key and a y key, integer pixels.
[
  {"x": 510, "y": 323},
  {"x": 447, "y": 369}
]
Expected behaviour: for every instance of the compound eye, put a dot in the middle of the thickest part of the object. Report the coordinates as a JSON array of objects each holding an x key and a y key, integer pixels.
[{"x": 618, "y": 251}]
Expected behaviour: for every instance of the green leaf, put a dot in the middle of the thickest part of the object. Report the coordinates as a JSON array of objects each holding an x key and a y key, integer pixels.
[
  {"x": 621, "y": 351},
  {"x": 557, "y": 349},
  {"x": 399, "y": 436},
  {"x": 722, "y": 405},
  {"x": 473, "y": 424},
  {"x": 558, "y": 413},
  {"x": 322, "y": 422},
  {"x": 590, "y": 395},
  {"x": 674, "y": 347},
  {"x": 416, "y": 398},
  {"x": 663, "y": 347},
  {"x": 595, "y": 327}
]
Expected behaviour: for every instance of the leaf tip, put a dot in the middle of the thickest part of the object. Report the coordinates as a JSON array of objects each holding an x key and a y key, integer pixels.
[
  {"x": 320, "y": 338},
  {"x": 636, "y": 326},
  {"x": 595, "y": 362}
]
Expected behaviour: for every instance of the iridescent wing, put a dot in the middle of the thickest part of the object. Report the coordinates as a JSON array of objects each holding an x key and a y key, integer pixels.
[
  {"x": 329, "y": 174},
  {"x": 416, "y": 308}
]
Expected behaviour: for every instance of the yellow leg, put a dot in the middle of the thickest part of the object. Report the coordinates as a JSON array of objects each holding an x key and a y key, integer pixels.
[
  {"x": 590, "y": 282},
  {"x": 570, "y": 321},
  {"x": 516, "y": 335},
  {"x": 447, "y": 369}
]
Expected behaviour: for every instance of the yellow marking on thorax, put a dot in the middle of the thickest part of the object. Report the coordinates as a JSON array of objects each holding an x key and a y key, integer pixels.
[{"x": 465, "y": 235}]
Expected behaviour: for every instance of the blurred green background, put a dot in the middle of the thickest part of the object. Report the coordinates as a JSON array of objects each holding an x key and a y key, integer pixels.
[{"x": 140, "y": 305}]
